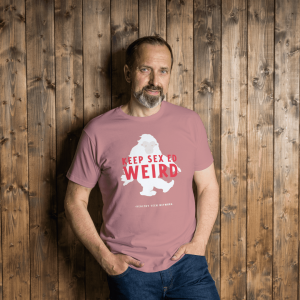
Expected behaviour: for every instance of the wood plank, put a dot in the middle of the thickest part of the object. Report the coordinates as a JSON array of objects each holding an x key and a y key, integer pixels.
[
  {"x": 42, "y": 148},
  {"x": 14, "y": 250},
  {"x": 152, "y": 18},
  {"x": 207, "y": 99},
  {"x": 97, "y": 100},
  {"x": 260, "y": 148},
  {"x": 124, "y": 30},
  {"x": 180, "y": 38},
  {"x": 286, "y": 149},
  {"x": 69, "y": 120},
  {"x": 234, "y": 153}
]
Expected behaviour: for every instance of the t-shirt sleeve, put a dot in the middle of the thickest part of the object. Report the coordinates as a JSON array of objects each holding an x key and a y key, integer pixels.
[
  {"x": 203, "y": 155},
  {"x": 84, "y": 170}
]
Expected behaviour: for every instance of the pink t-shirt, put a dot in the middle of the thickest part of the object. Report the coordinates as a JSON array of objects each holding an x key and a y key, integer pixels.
[{"x": 144, "y": 167}]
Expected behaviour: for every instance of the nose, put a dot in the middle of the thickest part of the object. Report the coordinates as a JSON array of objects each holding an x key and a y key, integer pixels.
[{"x": 153, "y": 80}]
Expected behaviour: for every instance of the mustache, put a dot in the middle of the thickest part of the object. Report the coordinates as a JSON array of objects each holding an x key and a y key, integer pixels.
[{"x": 152, "y": 87}]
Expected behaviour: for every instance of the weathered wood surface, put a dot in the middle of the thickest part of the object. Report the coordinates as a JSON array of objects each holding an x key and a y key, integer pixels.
[
  {"x": 61, "y": 64},
  {"x": 97, "y": 100},
  {"x": 180, "y": 38},
  {"x": 152, "y": 18},
  {"x": 69, "y": 121},
  {"x": 42, "y": 140},
  {"x": 15, "y": 248},
  {"x": 286, "y": 150},
  {"x": 260, "y": 163},
  {"x": 207, "y": 99},
  {"x": 234, "y": 150},
  {"x": 124, "y": 30}
]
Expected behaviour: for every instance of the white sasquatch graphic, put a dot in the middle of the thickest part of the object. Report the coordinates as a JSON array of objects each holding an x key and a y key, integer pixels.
[{"x": 146, "y": 163}]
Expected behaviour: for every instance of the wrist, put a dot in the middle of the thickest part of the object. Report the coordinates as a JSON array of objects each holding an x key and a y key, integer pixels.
[
  {"x": 199, "y": 240},
  {"x": 104, "y": 257}
]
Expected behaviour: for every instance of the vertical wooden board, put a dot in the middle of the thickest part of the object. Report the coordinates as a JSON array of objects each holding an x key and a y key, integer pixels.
[
  {"x": 42, "y": 148},
  {"x": 260, "y": 148},
  {"x": 207, "y": 99},
  {"x": 15, "y": 252},
  {"x": 286, "y": 149},
  {"x": 97, "y": 100},
  {"x": 180, "y": 38},
  {"x": 97, "y": 56},
  {"x": 124, "y": 30},
  {"x": 234, "y": 153},
  {"x": 69, "y": 116},
  {"x": 152, "y": 18}
]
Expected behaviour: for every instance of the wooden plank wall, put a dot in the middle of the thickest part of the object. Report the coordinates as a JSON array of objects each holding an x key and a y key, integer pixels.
[
  {"x": 233, "y": 136},
  {"x": 236, "y": 63}
]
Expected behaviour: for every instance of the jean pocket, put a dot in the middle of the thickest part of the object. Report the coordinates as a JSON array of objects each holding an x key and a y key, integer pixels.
[
  {"x": 120, "y": 275},
  {"x": 196, "y": 257},
  {"x": 197, "y": 265}
]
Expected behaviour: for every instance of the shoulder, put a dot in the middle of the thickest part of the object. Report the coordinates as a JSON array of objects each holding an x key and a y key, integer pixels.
[
  {"x": 99, "y": 123},
  {"x": 189, "y": 115},
  {"x": 180, "y": 112}
]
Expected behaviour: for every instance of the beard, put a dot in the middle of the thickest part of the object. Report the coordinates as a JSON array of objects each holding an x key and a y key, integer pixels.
[{"x": 147, "y": 100}]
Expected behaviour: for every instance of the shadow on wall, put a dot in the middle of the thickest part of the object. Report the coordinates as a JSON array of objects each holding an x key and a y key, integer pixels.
[{"x": 76, "y": 263}]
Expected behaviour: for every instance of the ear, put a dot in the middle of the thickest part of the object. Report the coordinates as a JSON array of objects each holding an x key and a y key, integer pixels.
[{"x": 127, "y": 74}]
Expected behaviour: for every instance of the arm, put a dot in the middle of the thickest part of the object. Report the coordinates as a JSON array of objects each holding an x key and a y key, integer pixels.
[
  {"x": 75, "y": 204},
  {"x": 207, "y": 203}
]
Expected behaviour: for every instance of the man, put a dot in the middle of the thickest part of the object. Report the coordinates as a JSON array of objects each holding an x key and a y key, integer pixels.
[{"x": 144, "y": 155}]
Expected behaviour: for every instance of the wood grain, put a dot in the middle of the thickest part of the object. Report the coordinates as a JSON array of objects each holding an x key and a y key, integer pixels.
[
  {"x": 42, "y": 148},
  {"x": 207, "y": 99},
  {"x": 14, "y": 250},
  {"x": 97, "y": 100},
  {"x": 69, "y": 120},
  {"x": 152, "y": 18},
  {"x": 124, "y": 30},
  {"x": 234, "y": 153},
  {"x": 180, "y": 38},
  {"x": 286, "y": 150},
  {"x": 260, "y": 148}
]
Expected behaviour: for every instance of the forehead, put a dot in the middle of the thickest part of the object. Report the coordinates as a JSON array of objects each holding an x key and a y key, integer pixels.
[{"x": 153, "y": 54}]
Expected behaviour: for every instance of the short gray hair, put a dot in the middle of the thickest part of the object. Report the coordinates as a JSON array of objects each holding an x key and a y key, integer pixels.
[{"x": 134, "y": 46}]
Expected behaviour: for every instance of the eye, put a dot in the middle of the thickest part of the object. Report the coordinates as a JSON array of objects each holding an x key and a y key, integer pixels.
[
  {"x": 164, "y": 71},
  {"x": 144, "y": 69}
]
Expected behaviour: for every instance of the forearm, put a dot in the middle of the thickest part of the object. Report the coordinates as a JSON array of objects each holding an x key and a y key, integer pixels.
[
  {"x": 83, "y": 227},
  {"x": 206, "y": 214}
]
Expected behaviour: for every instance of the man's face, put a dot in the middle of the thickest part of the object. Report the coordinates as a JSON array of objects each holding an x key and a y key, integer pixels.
[{"x": 150, "y": 74}]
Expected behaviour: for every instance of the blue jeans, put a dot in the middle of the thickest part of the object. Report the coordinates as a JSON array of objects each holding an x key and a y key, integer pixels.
[{"x": 188, "y": 278}]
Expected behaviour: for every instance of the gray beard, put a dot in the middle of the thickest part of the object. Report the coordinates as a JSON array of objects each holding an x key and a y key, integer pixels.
[{"x": 148, "y": 101}]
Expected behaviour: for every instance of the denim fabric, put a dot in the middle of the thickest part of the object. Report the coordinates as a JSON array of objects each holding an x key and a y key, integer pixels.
[{"x": 188, "y": 278}]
